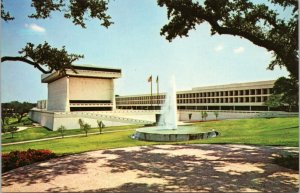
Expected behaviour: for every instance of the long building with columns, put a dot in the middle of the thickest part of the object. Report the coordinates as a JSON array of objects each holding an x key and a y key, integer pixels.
[
  {"x": 89, "y": 94},
  {"x": 250, "y": 96}
]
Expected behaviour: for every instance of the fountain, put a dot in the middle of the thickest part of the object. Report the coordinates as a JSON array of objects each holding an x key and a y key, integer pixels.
[
  {"x": 168, "y": 120},
  {"x": 167, "y": 128}
]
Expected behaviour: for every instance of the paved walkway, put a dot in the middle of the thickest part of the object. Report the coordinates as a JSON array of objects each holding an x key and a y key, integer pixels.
[
  {"x": 176, "y": 168},
  {"x": 59, "y": 137}
]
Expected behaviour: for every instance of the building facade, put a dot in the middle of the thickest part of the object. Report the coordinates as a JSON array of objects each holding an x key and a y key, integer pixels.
[
  {"x": 250, "y": 96},
  {"x": 87, "y": 89}
]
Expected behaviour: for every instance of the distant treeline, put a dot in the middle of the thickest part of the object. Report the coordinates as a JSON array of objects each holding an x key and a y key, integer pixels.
[{"x": 16, "y": 109}]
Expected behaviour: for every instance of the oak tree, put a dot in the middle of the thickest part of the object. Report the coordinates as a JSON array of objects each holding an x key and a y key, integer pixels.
[
  {"x": 44, "y": 57},
  {"x": 260, "y": 23}
]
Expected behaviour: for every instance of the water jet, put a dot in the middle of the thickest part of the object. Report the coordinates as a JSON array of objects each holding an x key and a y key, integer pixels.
[{"x": 168, "y": 128}]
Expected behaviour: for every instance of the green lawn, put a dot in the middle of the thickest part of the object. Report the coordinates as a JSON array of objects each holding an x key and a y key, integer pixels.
[
  {"x": 41, "y": 133},
  {"x": 14, "y": 121},
  {"x": 260, "y": 131}
]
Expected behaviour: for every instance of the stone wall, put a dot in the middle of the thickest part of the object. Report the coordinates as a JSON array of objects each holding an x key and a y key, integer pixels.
[
  {"x": 90, "y": 89},
  {"x": 58, "y": 95}
]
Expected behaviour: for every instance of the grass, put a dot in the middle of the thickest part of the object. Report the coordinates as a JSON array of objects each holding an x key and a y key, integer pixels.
[
  {"x": 14, "y": 121},
  {"x": 41, "y": 133},
  {"x": 259, "y": 131}
]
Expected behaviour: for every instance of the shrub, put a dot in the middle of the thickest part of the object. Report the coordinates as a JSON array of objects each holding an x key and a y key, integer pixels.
[
  {"x": 100, "y": 125},
  {"x": 11, "y": 130},
  {"x": 62, "y": 130},
  {"x": 81, "y": 123},
  {"x": 15, "y": 159},
  {"x": 86, "y": 127},
  {"x": 216, "y": 113},
  {"x": 27, "y": 122}
]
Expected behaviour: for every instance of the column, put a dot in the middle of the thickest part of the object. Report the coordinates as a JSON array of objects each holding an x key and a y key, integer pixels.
[
  {"x": 67, "y": 107},
  {"x": 113, "y": 95}
]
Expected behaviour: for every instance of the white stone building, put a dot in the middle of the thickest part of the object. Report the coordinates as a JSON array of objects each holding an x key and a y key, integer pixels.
[{"x": 89, "y": 95}]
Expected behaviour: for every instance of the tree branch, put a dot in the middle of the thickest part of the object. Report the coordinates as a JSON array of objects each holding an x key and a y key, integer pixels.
[{"x": 22, "y": 59}]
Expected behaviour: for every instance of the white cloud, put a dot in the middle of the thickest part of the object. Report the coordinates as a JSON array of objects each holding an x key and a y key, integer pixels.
[
  {"x": 219, "y": 48},
  {"x": 35, "y": 27},
  {"x": 239, "y": 50}
]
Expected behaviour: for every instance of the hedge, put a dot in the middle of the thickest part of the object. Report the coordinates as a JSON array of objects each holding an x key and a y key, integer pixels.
[{"x": 15, "y": 159}]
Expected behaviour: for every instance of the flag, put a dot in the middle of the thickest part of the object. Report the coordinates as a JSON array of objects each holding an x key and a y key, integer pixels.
[
  {"x": 150, "y": 79},
  {"x": 157, "y": 79}
]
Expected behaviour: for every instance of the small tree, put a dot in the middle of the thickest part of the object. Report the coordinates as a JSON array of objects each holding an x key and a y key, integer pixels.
[
  {"x": 100, "y": 126},
  {"x": 6, "y": 121},
  {"x": 205, "y": 115},
  {"x": 216, "y": 113},
  {"x": 11, "y": 130},
  {"x": 61, "y": 129},
  {"x": 274, "y": 101},
  {"x": 202, "y": 115},
  {"x": 81, "y": 123},
  {"x": 86, "y": 127}
]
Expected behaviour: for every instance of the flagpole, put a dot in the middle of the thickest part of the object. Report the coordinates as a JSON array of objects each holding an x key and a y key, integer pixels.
[
  {"x": 157, "y": 82},
  {"x": 151, "y": 93}
]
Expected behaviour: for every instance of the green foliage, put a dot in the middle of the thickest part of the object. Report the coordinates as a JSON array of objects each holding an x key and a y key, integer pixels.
[
  {"x": 260, "y": 131},
  {"x": 216, "y": 113},
  {"x": 42, "y": 133},
  {"x": 86, "y": 127},
  {"x": 288, "y": 89},
  {"x": 274, "y": 101},
  {"x": 6, "y": 121},
  {"x": 5, "y": 15},
  {"x": 43, "y": 56},
  {"x": 17, "y": 159},
  {"x": 81, "y": 123},
  {"x": 27, "y": 122},
  {"x": 62, "y": 130},
  {"x": 204, "y": 115},
  {"x": 51, "y": 58},
  {"x": 259, "y": 23},
  {"x": 100, "y": 125},
  {"x": 75, "y": 10},
  {"x": 16, "y": 109},
  {"x": 11, "y": 130}
]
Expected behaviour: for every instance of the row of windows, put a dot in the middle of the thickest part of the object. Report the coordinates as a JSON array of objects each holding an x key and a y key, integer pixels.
[
  {"x": 227, "y": 93},
  {"x": 202, "y": 94},
  {"x": 210, "y": 100}
]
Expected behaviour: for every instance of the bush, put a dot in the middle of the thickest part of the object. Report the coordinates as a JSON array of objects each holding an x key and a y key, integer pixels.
[
  {"x": 15, "y": 159},
  {"x": 27, "y": 122}
]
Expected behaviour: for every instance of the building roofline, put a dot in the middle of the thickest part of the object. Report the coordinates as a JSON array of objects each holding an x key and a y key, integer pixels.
[
  {"x": 96, "y": 68},
  {"x": 88, "y": 71},
  {"x": 235, "y": 85},
  {"x": 199, "y": 89}
]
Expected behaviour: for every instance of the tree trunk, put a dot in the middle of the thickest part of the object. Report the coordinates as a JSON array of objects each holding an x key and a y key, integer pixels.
[{"x": 20, "y": 118}]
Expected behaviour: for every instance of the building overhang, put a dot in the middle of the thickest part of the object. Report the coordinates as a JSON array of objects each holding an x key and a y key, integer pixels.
[{"x": 84, "y": 71}]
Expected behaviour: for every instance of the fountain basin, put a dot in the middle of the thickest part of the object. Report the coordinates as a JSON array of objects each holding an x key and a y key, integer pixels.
[{"x": 183, "y": 133}]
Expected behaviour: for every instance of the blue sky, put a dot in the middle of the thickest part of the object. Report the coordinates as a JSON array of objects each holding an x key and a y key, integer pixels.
[{"x": 133, "y": 43}]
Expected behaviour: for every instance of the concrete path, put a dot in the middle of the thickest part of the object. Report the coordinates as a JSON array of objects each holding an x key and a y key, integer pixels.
[
  {"x": 160, "y": 168},
  {"x": 67, "y": 136}
]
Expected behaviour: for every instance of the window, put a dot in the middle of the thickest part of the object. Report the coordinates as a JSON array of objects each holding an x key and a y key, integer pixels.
[{"x": 258, "y": 91}]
